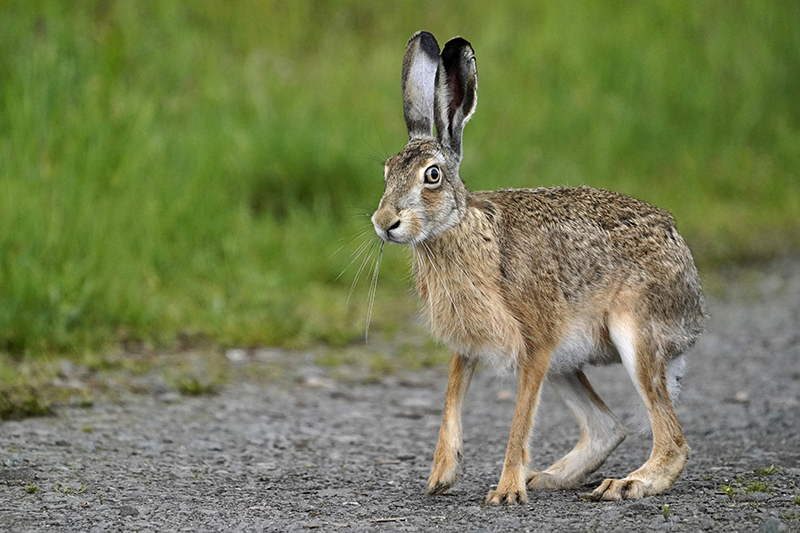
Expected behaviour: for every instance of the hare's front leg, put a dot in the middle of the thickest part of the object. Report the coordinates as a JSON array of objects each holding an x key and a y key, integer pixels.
[
  {"x": 511, "y": 488},
  {"x": 447, "y": 458}
]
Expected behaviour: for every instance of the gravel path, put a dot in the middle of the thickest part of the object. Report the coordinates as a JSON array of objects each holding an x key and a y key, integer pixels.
[{"x": 308, "y": 453}]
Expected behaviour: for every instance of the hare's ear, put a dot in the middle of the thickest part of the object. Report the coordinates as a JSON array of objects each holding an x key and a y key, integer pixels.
[
  {"x": 456, "y": 92},
  {"x": 419, "y": 77}
]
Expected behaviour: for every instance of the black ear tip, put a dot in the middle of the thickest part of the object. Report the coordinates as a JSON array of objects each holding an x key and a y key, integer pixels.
[
  {"x": 455, "y": 47},
  {"x": 427, "y": 43},
  {"x": 458, "y": 42}
]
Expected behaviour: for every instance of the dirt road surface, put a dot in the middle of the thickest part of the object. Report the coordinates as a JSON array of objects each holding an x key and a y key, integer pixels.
[{"x": 309, "y": 452}]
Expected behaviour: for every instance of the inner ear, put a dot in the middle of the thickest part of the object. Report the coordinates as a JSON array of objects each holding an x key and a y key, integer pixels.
[
  {"x": 420, "y": 64},
  {"x": 456, "y": 92}
]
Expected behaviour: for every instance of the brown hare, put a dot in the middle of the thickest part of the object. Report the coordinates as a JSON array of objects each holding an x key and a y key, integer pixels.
[{"x": 543, "y": 281}]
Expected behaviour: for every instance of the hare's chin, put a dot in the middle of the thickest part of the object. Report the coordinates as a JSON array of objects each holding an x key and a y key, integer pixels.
[
  {"x": 402, "y": 238},
  {"x": 395, "y": 239}
]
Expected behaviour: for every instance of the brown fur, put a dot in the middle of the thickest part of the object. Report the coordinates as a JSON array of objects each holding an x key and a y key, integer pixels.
[{"x": 537, "y": 280}]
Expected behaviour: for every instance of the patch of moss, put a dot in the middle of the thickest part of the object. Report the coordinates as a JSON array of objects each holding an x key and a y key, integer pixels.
[{"x": 21, "y": 402}]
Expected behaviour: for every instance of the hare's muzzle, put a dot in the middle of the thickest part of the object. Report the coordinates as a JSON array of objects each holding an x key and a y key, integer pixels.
[{"x": 387, "y": 224}]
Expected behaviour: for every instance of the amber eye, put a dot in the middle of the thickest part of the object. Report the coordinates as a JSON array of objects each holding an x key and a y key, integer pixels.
[{"x": 433, "y": 174}]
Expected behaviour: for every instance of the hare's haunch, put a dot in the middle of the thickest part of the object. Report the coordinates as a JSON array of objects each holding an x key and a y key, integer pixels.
[{"x": 543, "y": 281}]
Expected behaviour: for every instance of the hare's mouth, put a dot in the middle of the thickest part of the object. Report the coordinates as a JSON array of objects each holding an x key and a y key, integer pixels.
[
  {"x": 396, "y": 230},
  {"x": 386, "y": 235}
]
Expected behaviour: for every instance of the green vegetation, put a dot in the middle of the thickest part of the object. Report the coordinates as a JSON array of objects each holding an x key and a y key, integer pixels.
[
  {"x": 18, "y": 402},
  {"x": 740, "y": 484},
  {"x": 768, "y": 471},
  {"x": 756, "y": 486},
  {"x": 666, "y": 510},
  {"x": 174, "y": 174},
  {"x": 729, "y": 490},
  {"x": 71, "y": 488},
  {"x": 195, "y": 387},
  {"x": 32, "y": 488}
]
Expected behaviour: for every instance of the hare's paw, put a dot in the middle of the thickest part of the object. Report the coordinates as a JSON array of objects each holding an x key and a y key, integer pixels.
[
  {"x": 444, "y": 473},
  {"x": 507, "y": 494},
  {"x": 543, "y": 480},
  {"x": 620, "y": 489}
]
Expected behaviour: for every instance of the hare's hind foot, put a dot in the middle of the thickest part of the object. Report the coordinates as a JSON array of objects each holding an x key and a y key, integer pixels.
[
  {"x": 542, "y": 479},
  {"x": 619, "y": 489},
  {"x": 601, "y": 433},
  {"x": 654, "y": 477}
]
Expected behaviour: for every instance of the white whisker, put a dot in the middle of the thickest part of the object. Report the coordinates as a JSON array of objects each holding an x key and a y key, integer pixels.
[
  {"x": 373, "y": 289},
  {"x": 368, "y": 250},
  {"x": 355, "y": 255},
  {"x": 351, "y": 239}
]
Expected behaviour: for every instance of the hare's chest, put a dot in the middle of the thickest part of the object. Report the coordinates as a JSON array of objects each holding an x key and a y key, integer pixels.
[{"x": 469, "y": 315}]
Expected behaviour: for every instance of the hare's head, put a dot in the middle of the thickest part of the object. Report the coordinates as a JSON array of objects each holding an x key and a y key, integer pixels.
[{"x": 424, "y": 194}]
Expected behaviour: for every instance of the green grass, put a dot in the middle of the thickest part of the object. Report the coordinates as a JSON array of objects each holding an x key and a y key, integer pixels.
[
  {"x": 757, "y": 486},
  {"x": 666, "y": 510},
  {"x": 729, "y": 490},
  {"x": 18, "y": 402},
  {"x": 768, "y": 471},
  {"x": 183, "y": 173},
  {"x": 193, "y": 386}
]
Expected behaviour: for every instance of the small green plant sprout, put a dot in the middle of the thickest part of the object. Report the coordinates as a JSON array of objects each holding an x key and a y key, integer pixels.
[
  {"x": 69, "y": 489},
  {"x": 195, "y": 387},
  {"x": 797, "y": 500},
  {"x": 769, "y": 471},
  {"x": 31, "y": 488},
  {"x": 666, "y": 511},
  {"x": 757, "y": 486},
  {"x": 729, "y": 490}
]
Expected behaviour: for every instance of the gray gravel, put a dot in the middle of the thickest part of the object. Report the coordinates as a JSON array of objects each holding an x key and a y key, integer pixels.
[{"x": 311, "y": 452}]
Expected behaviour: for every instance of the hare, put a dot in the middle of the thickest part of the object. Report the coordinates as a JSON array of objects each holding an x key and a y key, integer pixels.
[{"x": 543, "y": 281}]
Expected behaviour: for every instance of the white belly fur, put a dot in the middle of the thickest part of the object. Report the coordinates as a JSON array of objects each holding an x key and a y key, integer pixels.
[{"x": 581, "y": 346}]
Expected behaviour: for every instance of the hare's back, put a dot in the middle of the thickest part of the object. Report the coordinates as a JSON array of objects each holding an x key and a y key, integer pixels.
[
  {"x": 592, "y": 241},
  {"x": 597, "y": 222}
]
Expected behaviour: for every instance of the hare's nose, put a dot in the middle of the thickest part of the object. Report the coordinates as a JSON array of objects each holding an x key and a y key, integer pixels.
[{"x": 385, "y": 221}]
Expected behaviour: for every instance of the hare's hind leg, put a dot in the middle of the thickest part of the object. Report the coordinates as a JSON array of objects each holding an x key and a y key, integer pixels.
[
  {"x": 447, "y": 458},
  {"x": 601, "y": 433},
  {"x": 670, "y": 452}
]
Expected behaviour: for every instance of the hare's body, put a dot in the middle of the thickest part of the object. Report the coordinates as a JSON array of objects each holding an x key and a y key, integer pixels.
[
  {"x": 596, "y": 254},
  {"x": 543, "y": 281}
]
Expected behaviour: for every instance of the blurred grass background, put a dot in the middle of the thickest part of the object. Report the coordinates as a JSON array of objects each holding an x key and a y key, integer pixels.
[{"x": 180, "y": 172}]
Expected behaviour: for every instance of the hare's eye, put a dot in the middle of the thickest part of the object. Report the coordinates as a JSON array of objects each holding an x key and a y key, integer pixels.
[{"x": 433, "y": 174}]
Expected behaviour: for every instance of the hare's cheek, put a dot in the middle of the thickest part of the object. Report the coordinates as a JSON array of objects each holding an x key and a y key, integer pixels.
[
  {"x": 431, "y": 198},
  {"x": 433, "y": 202}
]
